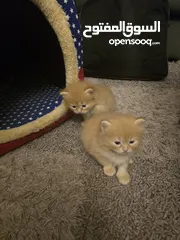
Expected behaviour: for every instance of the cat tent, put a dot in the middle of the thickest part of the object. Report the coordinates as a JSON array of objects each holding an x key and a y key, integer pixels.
[{"x": 41, "y": 46}]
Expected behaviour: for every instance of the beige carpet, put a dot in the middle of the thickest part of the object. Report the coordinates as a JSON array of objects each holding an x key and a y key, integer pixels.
[{"x": 51, "y": 189}]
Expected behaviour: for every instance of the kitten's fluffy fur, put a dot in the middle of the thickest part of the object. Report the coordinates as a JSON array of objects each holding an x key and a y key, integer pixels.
[
  {"x": 88, "y": 98},
  {"x": 112, "y": 138}
]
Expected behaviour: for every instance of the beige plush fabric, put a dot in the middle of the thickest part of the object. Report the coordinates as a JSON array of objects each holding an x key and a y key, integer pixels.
[
  {"x": 51, "y": 189},
  {"x": 58, "y": 20}
]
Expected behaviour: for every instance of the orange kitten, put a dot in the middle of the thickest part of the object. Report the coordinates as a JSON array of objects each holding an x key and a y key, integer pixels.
[
  {"x": 87, "y": 98},
  {"x": 112, "y": 138}
]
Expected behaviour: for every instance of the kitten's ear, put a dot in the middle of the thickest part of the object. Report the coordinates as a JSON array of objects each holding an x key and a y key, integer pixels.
[
  {"x": 64, "y": 93},
  {"x": 89, "y": 91},
  {"x": 140, "y": 122},
  {"x": 105, "y": 125}
]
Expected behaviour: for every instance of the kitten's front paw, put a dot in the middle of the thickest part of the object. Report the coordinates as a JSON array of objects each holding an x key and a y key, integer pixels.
[
  {"x": 109, "y": 171},
  {"x": 124, "y": 178}
]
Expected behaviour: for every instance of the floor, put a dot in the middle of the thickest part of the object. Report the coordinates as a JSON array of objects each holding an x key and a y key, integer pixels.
[{"x": 51, "y": 189}]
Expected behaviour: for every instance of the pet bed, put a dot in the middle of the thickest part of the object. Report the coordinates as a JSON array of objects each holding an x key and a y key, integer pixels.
[{"x": 41, "y": 48}]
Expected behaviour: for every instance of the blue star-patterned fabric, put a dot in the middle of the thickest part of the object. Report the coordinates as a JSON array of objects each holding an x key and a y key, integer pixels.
[
  {"x": 69, "y": 8},
  {"x": 20, "y": 105}
]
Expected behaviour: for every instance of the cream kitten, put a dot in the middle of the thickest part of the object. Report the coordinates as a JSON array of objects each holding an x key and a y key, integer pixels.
[
  {"x": 88, "y": 98},
  {"x": 112, "y": 138}
]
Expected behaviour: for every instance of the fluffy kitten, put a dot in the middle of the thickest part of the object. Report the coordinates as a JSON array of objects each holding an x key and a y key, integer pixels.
[
  {"x": 112, "y": 138},
  {"x": 88, "y": 98}
]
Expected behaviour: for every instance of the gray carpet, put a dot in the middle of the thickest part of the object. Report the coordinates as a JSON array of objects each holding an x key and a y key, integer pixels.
[{"x": 51, "y": 189}]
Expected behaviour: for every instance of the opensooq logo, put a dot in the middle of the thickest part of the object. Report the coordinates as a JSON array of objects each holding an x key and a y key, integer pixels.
[{"x": 128, "y": 30}]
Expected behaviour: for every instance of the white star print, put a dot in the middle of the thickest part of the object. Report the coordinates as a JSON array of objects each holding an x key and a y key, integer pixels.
[
  {"x": 65, "y": 1},
  {"x": 71, "y": 10},
  {"x": 67, "y": 16},
  {"x": 81, "y": 51},
  {"x": 78, "y": 57},
  {"x": 78, "y": 31},
  {"x": 73, "y": 25},
  {"x": 76, "y": 16},
  {"x": 74, "y": 39},
  {"x": 79, "y": 44}
]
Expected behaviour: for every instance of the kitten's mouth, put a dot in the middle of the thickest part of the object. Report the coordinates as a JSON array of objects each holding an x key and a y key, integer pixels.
[
  {"x": 78, "y": 112},
  {"x": 81, "y": 112},
  {"x": 120, "y": 153}
]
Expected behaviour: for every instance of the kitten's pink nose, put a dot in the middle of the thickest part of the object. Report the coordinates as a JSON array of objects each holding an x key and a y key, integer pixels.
[{"x": 125, "y": 149}]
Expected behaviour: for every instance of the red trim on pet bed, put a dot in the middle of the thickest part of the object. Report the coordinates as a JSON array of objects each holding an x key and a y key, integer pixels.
[
  {"x": 12, "y": 145},
  {"x": 81, "y": 74}
]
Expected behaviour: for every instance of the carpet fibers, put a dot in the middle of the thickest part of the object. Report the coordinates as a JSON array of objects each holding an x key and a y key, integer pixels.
[{"x": 50, "y": 189}]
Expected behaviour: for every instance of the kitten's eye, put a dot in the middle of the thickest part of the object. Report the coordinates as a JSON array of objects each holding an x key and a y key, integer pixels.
[
  {"x": 117, "y": 142},
  {"x": 73, "y": 106},
  {"x": 83, "y": 105},
  {"x": 131, "y": 142}
]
